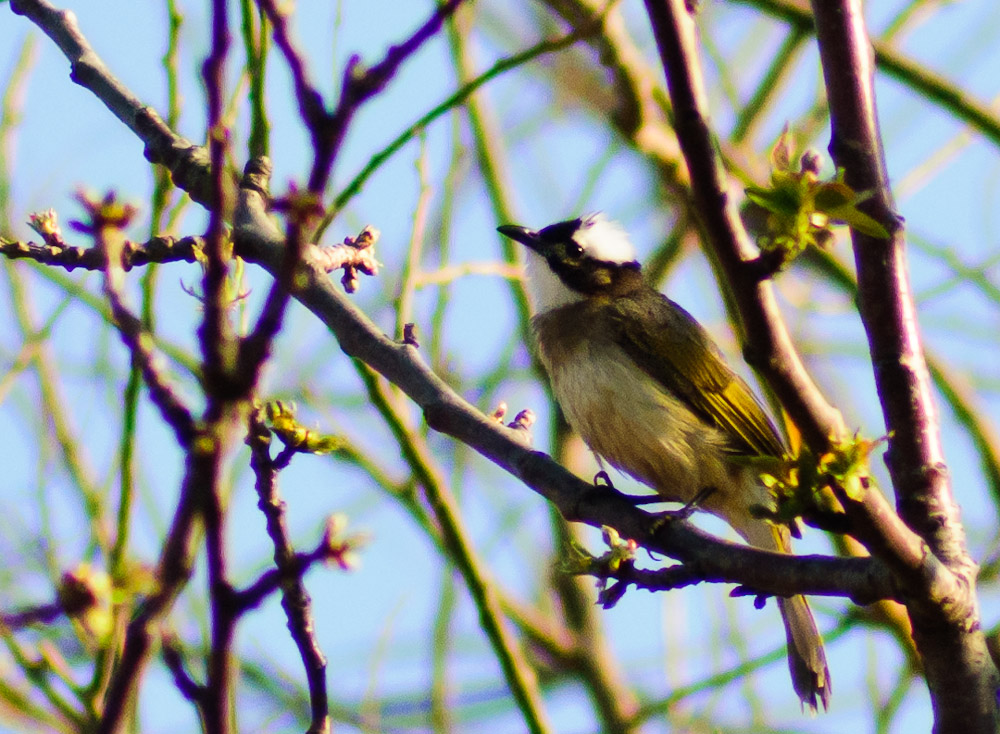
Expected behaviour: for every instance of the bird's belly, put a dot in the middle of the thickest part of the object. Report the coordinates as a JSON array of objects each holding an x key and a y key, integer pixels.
[{"x": 628, "y": 419}]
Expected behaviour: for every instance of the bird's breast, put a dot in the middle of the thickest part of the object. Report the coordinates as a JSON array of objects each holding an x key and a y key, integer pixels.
[{"x": 632, "y": 421}]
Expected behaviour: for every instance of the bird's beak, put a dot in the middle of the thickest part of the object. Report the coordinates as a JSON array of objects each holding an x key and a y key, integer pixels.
[{"x": 527, "y": 237}]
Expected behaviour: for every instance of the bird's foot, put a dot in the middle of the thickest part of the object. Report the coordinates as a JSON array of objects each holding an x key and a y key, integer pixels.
[
  {"x": 603, "y": 481},
  {"x": 684, "y": 513}
]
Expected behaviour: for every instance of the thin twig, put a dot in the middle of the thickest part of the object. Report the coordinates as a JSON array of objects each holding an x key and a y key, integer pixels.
[
  {"x": 54, "y": 405},
  {"x": 458, "y": 271},
  {"x": 41, "y": 614},
  {"x": 254, "y": 29},
  {"x": 134, "y": 254},
  {"x": 359, "y": 84},
  {"x": 173, "y": 657},
  {"x": 769, "y": 85},
  {"x": 288, "y": 573},
  {"x": 464, "y": 94},
  {"x": 108, "y": 240},
  {"x": 413, "y": 262}
]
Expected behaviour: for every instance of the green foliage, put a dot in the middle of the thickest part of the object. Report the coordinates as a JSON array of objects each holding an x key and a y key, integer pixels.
[
  {"x": 803, "y": 483},
  {"x": 578, "y": 561},
  {"x": 801, "y": 208},
  {"x": 296, "y": 437},
  {"x": 85, "y": 594}
]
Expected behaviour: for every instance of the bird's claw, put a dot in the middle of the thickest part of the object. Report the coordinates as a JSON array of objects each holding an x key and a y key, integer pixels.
[
  {"x": 684, "y": 513},
  {"x": 603, "y": 481}
]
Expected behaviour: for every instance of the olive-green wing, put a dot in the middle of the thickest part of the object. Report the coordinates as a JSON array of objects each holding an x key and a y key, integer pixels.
[{"x": 671, "y": 347}]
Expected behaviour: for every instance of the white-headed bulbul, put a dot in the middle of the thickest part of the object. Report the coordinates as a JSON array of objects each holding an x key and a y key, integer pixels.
[{"x": 649, "y": 392}]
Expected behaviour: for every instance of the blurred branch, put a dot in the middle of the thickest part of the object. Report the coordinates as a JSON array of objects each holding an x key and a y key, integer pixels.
[
  {"x": 770, "y": 83},
  {"x": 451, "y": 273},
  {"x": 88, "y": 300},
  {"x": 254, "y": 30},
  {"x": 638, "y": 109},
  {"x": 11, "y": 105},
  {"x": 461, "y": 552},
  {"x": 172, "y": 573},
  {"x": 488, "y": 140},
  {"x": 717, "y": 681},
  {"x": 413, "y": 262},
  {"x": 973, "y": 416},
  {"x": 939, "y": 90},
  {"x": 37, "y": 667},
  {"x": 442, "y": 715},
  {"x": 56, "y": 414}
]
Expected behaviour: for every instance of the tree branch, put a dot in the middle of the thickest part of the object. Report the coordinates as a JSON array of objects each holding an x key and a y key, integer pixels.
[
  {"x": 258, "y": 241},
  {"x": 289, "y": 569},
  {"x": 768, "y": 346},
  {"x": 134, "y": 254},
  {"x": 359, "y": 84},
  {"x": 187, "y": 162},
  {"x": 961, "y": 677}
]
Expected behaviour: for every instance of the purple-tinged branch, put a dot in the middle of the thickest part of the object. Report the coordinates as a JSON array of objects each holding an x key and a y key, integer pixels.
[{"x": 960, "y": 675}]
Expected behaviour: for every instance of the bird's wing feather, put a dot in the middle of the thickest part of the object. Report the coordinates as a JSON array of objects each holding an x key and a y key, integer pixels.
[{"x": 671, "y": 347}]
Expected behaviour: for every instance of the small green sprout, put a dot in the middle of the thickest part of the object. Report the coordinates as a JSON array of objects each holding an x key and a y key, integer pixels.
[
  {"x": 280, "y": 418},
  {"x": 801, "y": 208}
]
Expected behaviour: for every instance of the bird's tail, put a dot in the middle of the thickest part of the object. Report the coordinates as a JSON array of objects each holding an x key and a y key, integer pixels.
[{"x": 806, "y": 656}]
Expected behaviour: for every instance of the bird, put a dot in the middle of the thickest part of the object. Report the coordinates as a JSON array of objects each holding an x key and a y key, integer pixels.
[{"x": 650, "y": 393}]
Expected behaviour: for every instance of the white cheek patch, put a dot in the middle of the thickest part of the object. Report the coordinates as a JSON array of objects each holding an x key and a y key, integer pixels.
[
  {"x": 605, "y": 240},
  {"x": 547, "y": 290}
]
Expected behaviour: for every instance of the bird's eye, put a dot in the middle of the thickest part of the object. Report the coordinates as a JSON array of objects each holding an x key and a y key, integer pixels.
[{"x": 574, "y": 249}]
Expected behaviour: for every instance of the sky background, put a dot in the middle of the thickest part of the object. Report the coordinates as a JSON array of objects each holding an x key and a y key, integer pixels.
[{"x": 373, "y": 624}]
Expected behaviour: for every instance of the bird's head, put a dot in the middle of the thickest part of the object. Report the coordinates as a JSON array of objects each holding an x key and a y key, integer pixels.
[{"x": 577, "y": 259}]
